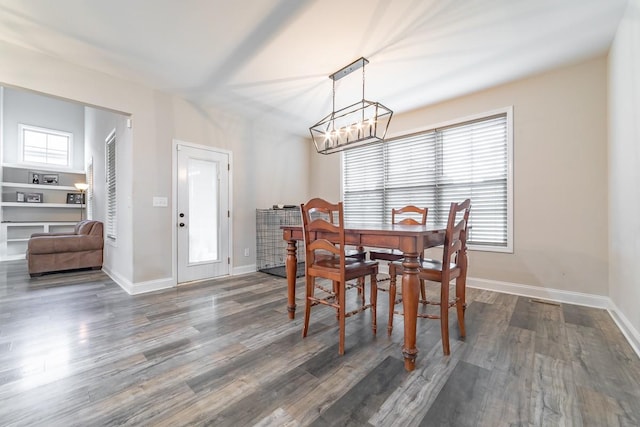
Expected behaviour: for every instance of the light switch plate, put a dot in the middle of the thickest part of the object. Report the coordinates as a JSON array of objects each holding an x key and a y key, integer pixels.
[{"x": 160, "y": 202}]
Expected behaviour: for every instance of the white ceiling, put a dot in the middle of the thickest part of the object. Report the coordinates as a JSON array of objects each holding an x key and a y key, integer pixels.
[{"x": 270, "y": 59}]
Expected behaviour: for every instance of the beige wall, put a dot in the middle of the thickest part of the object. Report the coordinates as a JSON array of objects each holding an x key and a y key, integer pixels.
[
  {"x": 560, "y": 176},
  {"x": 269, "y": 165},
  {"x": 324, "y": 174},
  {"x": 262, "y": 159},
  {"x": 624, "y": 170}
]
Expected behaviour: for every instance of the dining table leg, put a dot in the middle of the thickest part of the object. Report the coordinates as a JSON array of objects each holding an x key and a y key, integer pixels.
[
  {"x": 292, "y": 267},
  {"x": 410, "y": 295}
]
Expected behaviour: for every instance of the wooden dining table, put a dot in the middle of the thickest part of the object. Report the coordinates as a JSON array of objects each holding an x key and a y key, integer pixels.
[{"x": 412, "y": 240}]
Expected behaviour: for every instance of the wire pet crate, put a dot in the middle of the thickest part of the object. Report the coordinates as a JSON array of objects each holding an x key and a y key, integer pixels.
[{"x": 271, "y": 249}]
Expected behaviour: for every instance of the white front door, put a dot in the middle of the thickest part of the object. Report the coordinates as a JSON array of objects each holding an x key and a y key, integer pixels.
[{"x": 202, "y": 213}]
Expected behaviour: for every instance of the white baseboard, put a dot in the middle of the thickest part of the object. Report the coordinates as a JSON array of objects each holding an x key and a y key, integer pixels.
[
  {"x": 140, "y": 287},
  {"x": 539, "y": 292},
  {"x": 152, "y": 285},
  {"x": 569, "y": 297},
  {"x": 125, "y": 284},
  {"x": 165, "y": 283},
  {"x": 631, "y": 334},
  {"x": 244, "y": 269}
]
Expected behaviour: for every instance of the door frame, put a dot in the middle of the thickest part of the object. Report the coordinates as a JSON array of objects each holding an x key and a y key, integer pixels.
[{"x": 174, "y": 203}]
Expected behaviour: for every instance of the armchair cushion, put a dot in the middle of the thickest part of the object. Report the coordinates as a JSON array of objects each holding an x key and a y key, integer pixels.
[{"x": 68, "y": 243}]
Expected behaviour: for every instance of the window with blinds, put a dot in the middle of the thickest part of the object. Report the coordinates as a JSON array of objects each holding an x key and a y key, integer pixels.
[
  {"x": 90, "y": 191},
  {"x": 45, "y": 146},
  {"x": 433, "y": 168},
  {"x": 111, "y": 187}
]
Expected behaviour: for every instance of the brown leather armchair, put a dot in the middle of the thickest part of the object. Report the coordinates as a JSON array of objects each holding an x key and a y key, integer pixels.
[{"x": 82, "y": 248}]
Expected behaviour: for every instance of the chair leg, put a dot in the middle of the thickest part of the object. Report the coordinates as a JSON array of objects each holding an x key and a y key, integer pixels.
[
  {"x": 444, "y": 315},
  {"x": 423, "y": 292},
  {"x": 461, "y": 304},
  {"x": 336, "y": 292},
  {"x": 361, "y": 279},
  {"x": 341, "y": 317},
  {"x": 374, "y": 303},
  {"x": 307, "y": 306},
  {"x": 392, "y": 298}
]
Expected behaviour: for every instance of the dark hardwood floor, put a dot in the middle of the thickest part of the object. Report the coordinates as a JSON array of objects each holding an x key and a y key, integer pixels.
[{"x": 76, "y": 350}]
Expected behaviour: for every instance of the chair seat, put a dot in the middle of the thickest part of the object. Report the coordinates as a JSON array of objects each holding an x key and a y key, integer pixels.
[
  {"x": 385, "y": 255},
  {"x": 355, "y": 253},
  {"x": 353, "y": 267},
  {"x": 430, "y": 269},
  {"x": 433, "y": 264}
]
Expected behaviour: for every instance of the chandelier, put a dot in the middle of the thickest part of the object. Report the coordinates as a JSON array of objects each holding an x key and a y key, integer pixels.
[{"x": 359, "y": 124}]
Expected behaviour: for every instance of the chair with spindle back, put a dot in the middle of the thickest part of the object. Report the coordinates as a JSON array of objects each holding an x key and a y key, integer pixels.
[
  {"x": 452, "y": 266},
  {"x": 409, "y": 214},
  {"x": 326, "y": 259},
  {"x": 406, "y": 215}
]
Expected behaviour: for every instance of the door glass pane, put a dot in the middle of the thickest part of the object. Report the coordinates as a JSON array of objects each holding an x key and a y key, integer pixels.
[{"x": 202, "y": 176}]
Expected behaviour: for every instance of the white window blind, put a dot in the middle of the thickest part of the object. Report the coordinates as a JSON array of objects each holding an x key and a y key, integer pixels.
[
  {"x": 432, "y": 169},
  {"x": 111, "y": 187},
  {"x": 90, "y": 192},
  {"x": 45, "y": 146}
]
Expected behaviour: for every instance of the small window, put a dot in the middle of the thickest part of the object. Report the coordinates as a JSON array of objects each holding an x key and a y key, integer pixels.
[{"x": 45, "y": 146}]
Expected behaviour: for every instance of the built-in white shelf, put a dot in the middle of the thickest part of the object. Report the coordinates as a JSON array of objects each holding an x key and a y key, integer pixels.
[
  {"x": 15, "y": 235},
  {"x": 38, "y": 223},
  {"x": 40, "y": 205},
  {"x": 21, "y": 219},
  {"x": 38, "y": 186},
  {"x": 47, "y": 168}
]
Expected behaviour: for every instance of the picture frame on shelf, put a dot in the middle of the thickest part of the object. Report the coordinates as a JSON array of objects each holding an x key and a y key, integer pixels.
[
  {"x": 34, "y": 177},
  {"x": 50, "y": 179},
  {"x": 33, "y": 197},
  {"x": 20, "y": 197},
  {"x": 75, "y": 198},
  {"x": 41, "y": 178}
]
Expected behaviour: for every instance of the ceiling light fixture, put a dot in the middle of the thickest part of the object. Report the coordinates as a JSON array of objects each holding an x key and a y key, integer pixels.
[{"x": 359, "y": 124}]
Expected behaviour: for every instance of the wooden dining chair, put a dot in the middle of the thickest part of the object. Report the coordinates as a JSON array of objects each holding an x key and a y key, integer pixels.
[
  {"x": 406, "y": 215},
  {"x": 324, "y": 243},
  {"x": 409, "y": 214},
  {"x": 452, "y": 266},
  {"x": 358, "y": 252}
]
